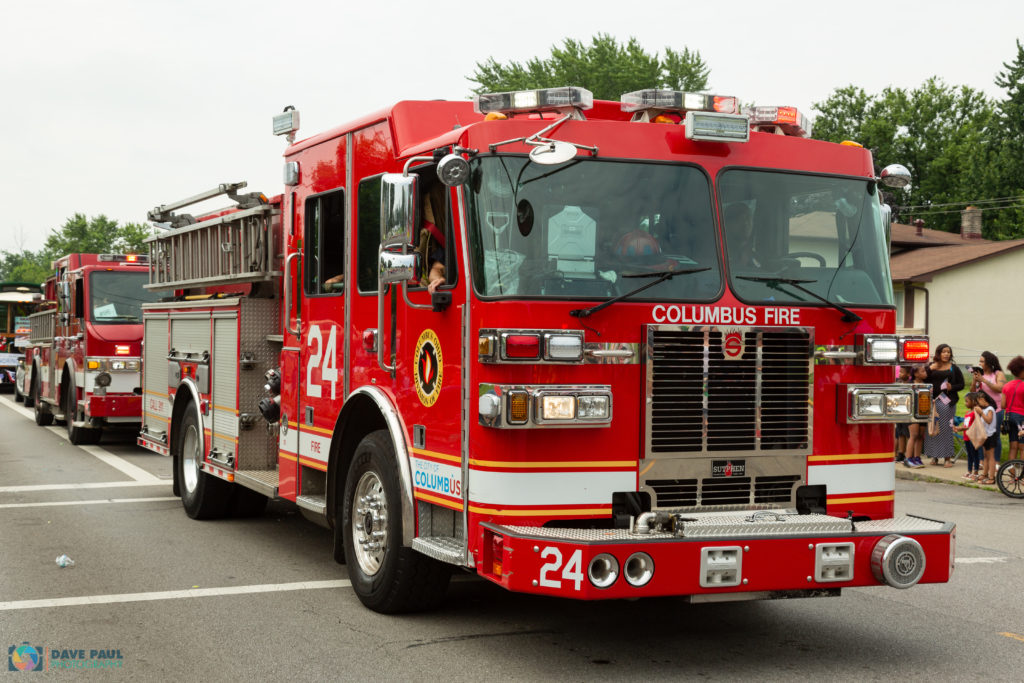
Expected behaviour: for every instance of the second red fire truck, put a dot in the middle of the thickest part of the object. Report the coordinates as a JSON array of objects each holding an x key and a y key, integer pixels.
[
  {"x": 83, "y": 358},
  {"x": 656, "y": 356}
]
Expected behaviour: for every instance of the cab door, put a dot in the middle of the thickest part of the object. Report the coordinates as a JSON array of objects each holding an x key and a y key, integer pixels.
[{"x": 322, "y": 349}]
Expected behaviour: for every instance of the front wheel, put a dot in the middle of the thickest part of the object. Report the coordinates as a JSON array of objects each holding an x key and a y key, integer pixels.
[
  {"x": 1010, "y": 478},
  {"x": 386, "y": 576},
  {"x": 79, "y": 436},
  {"x": 203, "y": 495},
  {"x": 43, "y": 415}
]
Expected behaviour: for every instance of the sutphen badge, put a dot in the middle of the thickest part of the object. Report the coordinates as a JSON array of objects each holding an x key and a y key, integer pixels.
[
  {"x": 732, "y": 345},
  {"x": 429, "y": 368}
]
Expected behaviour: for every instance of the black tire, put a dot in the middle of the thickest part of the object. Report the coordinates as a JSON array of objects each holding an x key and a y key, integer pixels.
[
  {"x": 43, "y": 415},
  {"x": 203, "y": 495},
  {"x": 1010, "y": 478},
  {"x": 247, "y": 503},
  {"x": 79, "y": 436},
  {"x": 388, "y": 578}
]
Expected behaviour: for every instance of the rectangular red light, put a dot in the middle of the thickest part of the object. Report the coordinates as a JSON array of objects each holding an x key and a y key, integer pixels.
[
  {"x": 497, "y": 553},
  {"x": 122, "y": 350},
  {"x": 915, "y": 350},
  {"x": 131, "y": 258},
  {"x": 522, "y": 346}
]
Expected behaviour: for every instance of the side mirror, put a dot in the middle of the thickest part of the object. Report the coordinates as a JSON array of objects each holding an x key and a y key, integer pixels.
[
  {"x": 398, "y": 199},
  {"x": 394, "y": 267},
  {"x": 895, "y": 175}
]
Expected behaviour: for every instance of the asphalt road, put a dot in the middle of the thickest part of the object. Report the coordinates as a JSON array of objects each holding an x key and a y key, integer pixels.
[{"x": 263, "y": 598}]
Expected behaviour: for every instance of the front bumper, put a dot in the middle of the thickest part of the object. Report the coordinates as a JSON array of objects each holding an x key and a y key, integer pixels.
[
  {"x": 113, "y": 406},
  {"x": 721, "y": 556}
]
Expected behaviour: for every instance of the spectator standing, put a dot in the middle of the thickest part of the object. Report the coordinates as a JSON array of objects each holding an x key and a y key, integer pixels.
[
  {"x": 973, "y": 456},
  {"x": 1013, "y": 404},
  {"x": 991, "y": 380},
  {"x": 902, "y": 428},
  {"x": 986, "y": 412},
  {"x": 947, "y": 381},
  {"x": 915, "y": 440}
]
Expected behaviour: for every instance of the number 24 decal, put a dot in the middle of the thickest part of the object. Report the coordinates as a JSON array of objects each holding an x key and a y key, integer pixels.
[
  {"x": 573, "y": 570},
  {"x": 329, "y": 372}
]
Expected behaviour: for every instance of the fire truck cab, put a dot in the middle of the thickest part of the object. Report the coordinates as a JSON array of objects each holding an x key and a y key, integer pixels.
[
  {"x": 84, "y": 350},
  {"x": 655, "y": 356}
]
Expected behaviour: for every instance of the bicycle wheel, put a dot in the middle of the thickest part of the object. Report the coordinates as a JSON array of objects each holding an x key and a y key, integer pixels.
[{"x": 1010, "y": 478}]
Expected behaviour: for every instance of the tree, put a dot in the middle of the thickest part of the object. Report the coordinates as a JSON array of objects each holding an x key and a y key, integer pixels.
[
  {"x": 1006, "y": 151},
  {"x": 935, "y": 130},
  {"x": 96, "y": 235},
  {"x": 24, "y": 266},
  {"x": 605, "y": 68}
]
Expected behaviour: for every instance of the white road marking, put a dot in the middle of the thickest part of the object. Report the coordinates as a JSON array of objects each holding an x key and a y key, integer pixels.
[
  {"x": 172, "y": 595},
  {"x": 73, "y": 487},
  {"x": 117, "y": 462},
  {"x": 980, "y": 560},
  {"x": 86, "y": 502}
]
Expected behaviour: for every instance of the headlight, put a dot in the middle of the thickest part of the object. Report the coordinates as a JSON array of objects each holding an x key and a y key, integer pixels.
[
  {"x": 881, "y": 350},
  {"x": 558, "y": 407},
  {"x": 593, "y": 407},
  {"x": 887, "y": 403}
]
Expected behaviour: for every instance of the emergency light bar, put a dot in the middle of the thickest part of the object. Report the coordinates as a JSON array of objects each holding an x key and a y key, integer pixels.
[
  {"x": 519, "y": 101},
  {"x": 781, "y": 120},
  {"x": 127, "y": 258},
  {"x": 678, "y": 101},
  {"x": 702, "y": 125}
]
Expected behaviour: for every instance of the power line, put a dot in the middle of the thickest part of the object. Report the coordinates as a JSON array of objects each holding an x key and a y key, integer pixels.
[
  {"x": 973, "y": 201},
  {"x": 980, "y": 208}
]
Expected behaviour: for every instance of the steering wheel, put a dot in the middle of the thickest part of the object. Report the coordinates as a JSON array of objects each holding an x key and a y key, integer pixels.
[{"x": 806, "y": 254}]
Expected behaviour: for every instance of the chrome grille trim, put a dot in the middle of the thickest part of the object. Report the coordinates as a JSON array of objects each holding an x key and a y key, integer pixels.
[
  {"x": 698, "y": 401},
  {"x": 725, "y": 491}
]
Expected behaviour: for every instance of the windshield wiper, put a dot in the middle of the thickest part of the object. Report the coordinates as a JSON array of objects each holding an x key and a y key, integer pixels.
[
  {"x": 774, "y": 282},
  {"x": 662, "y": 275}
]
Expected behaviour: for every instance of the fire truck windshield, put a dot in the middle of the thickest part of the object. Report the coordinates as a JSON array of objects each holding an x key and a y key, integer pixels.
[
  {"x": 116, "y": 297},
  {"x": 577, "y": 230},
  {"x": 823, "y": 232}
]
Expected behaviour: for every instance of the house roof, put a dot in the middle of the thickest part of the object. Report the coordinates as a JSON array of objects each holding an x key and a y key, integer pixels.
[
  {"x": 907, "y": 236},
  {"x": 920, "y": 264}
]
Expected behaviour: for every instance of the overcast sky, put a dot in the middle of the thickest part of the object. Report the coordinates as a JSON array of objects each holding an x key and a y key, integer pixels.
[{"x": 112, "y": 107}]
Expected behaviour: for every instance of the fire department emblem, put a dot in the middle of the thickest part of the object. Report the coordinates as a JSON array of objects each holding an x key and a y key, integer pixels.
[
  {"x": 732, "y": 345},
  {"x": 429, "y": 368}
]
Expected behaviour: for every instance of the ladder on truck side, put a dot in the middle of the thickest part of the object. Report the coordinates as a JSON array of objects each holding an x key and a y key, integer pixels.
[
  {"x": 230, "y": 339},
  {"x": 229, "y": 246}
]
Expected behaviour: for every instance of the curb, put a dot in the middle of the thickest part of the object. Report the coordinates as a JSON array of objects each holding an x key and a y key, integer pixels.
[{"x": 918, "y": 475}]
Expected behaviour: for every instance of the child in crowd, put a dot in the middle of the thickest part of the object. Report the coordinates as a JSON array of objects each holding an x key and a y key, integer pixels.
[
  {"x": 973, "y": 456},
  {"x": 915, "y": 440},
  {"x": 987, "y": 412},
  {"x": 902, "y": 428}
]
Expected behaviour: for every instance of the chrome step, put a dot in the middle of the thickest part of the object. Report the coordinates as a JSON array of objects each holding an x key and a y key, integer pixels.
[
  {"x": 443, "y": 548},
  {"x": 261, "y": 481},
  {"x": 317, "y": 504}
]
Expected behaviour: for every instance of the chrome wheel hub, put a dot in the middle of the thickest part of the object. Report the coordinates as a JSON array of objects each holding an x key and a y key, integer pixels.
[
  {"x": 369, "y": 523},
  {"x": 190, "y": 458}
]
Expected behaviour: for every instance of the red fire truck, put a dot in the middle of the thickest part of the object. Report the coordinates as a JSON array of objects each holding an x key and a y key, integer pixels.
[
  {"x": 82, "y": 362},
  {"x": 655, "y": 356}
]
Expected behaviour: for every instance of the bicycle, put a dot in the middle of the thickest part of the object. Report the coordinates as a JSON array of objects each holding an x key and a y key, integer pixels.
[{"x": 1010, "y": 478}]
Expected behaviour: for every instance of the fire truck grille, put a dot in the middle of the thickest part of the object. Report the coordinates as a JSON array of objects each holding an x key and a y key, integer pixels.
[
  {"x": 724, "y": 390},
  {"x": 677, "y": 493}
]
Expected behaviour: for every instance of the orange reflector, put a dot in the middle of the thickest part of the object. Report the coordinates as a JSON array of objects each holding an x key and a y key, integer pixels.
[
  {"x": 518, "y": 406},
  {"x": 924, "y": 403},
  {"x": 122, "y": 350},
  {"x": 915, "y": 350},
  {"x": 497, "y": 554}
]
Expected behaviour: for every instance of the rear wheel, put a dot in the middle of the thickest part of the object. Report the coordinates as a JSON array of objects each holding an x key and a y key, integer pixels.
[
  {"x": 203, "y": 495},
  {"x": 386, "y": 576},
  {"x": 1010, "y": 478},
  {"x": 80, "y": 436},
  {"x": 43, "y": 415}
]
